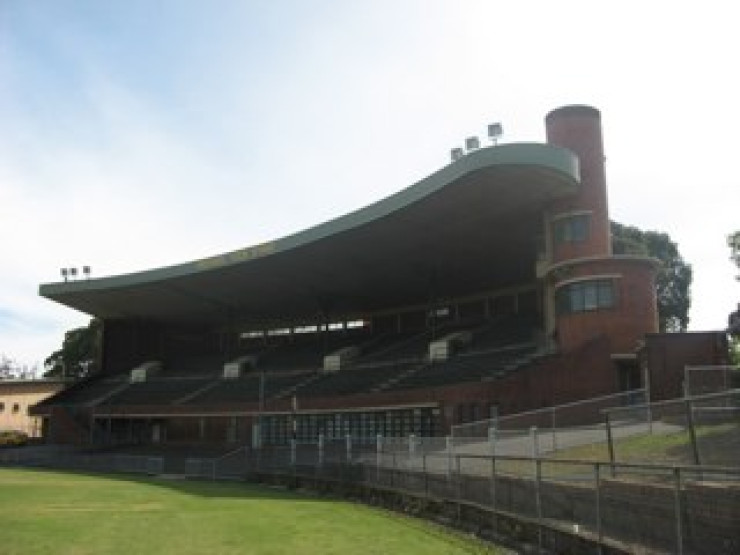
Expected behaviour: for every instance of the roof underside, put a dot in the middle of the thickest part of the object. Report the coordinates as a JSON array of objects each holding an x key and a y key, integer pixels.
[{"x": 470, "y": 227}]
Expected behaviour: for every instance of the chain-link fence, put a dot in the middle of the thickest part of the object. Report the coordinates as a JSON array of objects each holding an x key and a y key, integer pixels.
[
  {"x": 676, "y": 509},
  {"x": 700, "y": 380},
  {"x": 693, "y": 430},
  {"x": 544, "y": 431}
]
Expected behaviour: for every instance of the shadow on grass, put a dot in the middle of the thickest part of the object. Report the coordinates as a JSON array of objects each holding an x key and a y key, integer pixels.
[{"x": 196, "y": 487}]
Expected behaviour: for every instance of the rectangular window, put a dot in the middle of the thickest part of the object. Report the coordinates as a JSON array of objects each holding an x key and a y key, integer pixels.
[
  {"x": 585, "y": 296},
  {"x": 571, "y": 229}
]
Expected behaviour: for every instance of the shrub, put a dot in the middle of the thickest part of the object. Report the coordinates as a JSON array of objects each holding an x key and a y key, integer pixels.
[{"x": 13, "y": 438}]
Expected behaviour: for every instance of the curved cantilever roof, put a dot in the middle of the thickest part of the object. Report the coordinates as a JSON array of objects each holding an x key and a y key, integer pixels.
[{"x": 469, "y": 227}]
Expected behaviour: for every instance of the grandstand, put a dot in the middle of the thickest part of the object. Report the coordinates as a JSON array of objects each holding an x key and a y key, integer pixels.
[{"x": 488, "y": 287}]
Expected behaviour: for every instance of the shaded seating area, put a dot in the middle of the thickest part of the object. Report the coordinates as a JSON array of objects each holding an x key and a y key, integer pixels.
[
  {"x": 246, "y": 389},
  {"x": 87, "y": 392},
  {"x": 468, "y": 367},
  {"x": 158, "y": 391}
]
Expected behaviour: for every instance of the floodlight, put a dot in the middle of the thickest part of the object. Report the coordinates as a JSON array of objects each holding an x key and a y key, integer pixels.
[
  {"x": 86, "y": 271},
  {"x": 495, "y": 130},
  {"x": 472, "y": 143},
  {"x": 73, "y": 272},
  {"x": 456, "y": 154},
  {"x": 64, "y": 273}
]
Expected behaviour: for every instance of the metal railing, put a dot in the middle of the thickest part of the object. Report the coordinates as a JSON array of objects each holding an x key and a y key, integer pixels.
[
  {"x": 703, "y": 429},
  {"x": 677, "y": 509},
  {"x": 545, "y": 430}
]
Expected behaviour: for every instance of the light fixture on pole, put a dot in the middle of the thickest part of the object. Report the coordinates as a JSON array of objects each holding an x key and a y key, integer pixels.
[
  {"x": 73, "y": 273},
  {"x": 86, "y": 271},
  {"x": 495, "y": 130},
  {"x": 472, "y": 143},
  {"x": 64, "y": 273}
]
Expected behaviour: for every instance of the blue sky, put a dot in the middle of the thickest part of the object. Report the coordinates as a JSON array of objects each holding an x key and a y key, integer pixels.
[{"x": 138, "y": 134}]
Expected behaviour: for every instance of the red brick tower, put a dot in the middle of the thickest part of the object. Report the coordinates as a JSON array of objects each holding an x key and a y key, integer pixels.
[{"x": 590, "y": 292}]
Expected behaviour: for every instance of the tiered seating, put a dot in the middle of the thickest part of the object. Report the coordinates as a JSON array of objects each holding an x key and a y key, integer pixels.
[
  {"x": 394, "y": 347},
  {"x": 468, "y": 367},
  {"x": 158, "y": 391},
  {"x": 202, "y": 365},
  {"x": 362, "y": 379},
  {"x": 302, "y": 352},
  {"x": 292, "y": 365},
  {"x": 247, "y": 388},
  {"x": 87, "y": 392}
]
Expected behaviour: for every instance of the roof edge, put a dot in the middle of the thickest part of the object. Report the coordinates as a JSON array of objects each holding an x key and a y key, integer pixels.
[{"x": 537, "y": 155}]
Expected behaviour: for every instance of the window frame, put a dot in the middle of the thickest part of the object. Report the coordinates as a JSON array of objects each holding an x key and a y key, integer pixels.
[{"x": 590, "y": 294}]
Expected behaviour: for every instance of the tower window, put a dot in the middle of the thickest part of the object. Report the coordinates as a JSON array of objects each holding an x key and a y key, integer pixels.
[
  {"x": 571, "y": 229},
  {"x": 584, "y": 296}
]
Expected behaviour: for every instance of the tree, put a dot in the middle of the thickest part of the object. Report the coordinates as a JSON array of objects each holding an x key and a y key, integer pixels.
[
  {"x": 733, "y": 328},
  {"x": 11, "y": 369},
  {"x": 733, "y": 241},
  {"x": 7, "y": 368},
  {"x": 673, "y": 281},
  {"x": 79, "y": 353}
]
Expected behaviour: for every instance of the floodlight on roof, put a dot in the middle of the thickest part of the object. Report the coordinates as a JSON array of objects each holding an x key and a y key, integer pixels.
[
  {"x": 456, "y": 154},
  {"x": 495, "y": 130},
  {"x": 64, "y": 273},
  {"x": 86, "y": 271},
  {"x": 472, "y": 143},
  {"x": 72, "y": 272}
]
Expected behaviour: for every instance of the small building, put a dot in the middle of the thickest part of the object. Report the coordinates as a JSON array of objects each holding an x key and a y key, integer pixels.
[{"x": 17, "y": 396}]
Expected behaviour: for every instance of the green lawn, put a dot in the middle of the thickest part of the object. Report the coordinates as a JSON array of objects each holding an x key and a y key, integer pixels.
[
  {"x": 718, "y": 444},
  {"x": 67, "y": 513}
]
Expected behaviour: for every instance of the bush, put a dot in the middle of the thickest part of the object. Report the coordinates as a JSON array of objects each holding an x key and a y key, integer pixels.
[{"x": 13, "y": 439}]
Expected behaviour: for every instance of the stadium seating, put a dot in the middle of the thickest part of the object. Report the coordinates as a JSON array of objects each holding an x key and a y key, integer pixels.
[
  {"x": 158, "y": 391},
  {"x": 89, "y": 391}
]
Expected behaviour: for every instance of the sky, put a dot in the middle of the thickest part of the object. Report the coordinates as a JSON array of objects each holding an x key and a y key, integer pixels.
[{"x": 142, "y": 133}]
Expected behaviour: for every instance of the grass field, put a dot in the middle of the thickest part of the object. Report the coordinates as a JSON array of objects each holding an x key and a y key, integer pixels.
[{"x": 68, "y": 513}]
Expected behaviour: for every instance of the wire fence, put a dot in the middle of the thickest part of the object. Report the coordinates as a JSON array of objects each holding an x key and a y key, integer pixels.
[
  {"x": 700, "y": 380},
  {"x": 544, "y": 431},
  {"x": 697, "y": 430},
  {"x": 675, "y": 509}
]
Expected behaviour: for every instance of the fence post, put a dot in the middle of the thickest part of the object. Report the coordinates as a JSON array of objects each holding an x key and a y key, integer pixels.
[
  {"x": 677, "y": 504},
  {"x": 450, "y": 449},
  {"x": 321, "y": 451},
  {"x": 609, "y": 440},
  {"x": 553, "y": 428},
  {"x": 378, "y": 456},
  {"x": 459, "y": 489},
  {"x": 492, "y": 439},
  {"x": 292, "y": 452},
  {"x": 424, "y": 470},
  {"x": 538, "y": 500},
  {"x": 692, "y": 430},
  {"x": 412, "y": 449},
  {"x": 348, "y": 439},
  {"x": 597, "y": 485},
  {"x": 535, "y": 446},
  {"x": 393, "y": 468},
  {"x": 535, "y": 442},
  {"x": 493, "y": 488}
]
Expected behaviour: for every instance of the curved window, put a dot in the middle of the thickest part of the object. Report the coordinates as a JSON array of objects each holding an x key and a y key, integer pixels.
[
  {"x": 584, "y": 296},
  {"x": 571, "y": 229}
]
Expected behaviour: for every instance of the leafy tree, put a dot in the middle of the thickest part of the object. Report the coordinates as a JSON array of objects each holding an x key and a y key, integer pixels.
[
  {"x": 79, "y": 353},
  {"x": 673, "y": 282},
  {"x": 7, "y": 368},
  {"x": 11, "y": 369},
  {"x": 733, "y": 328},
  {"x": 733, "y": 241}
]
